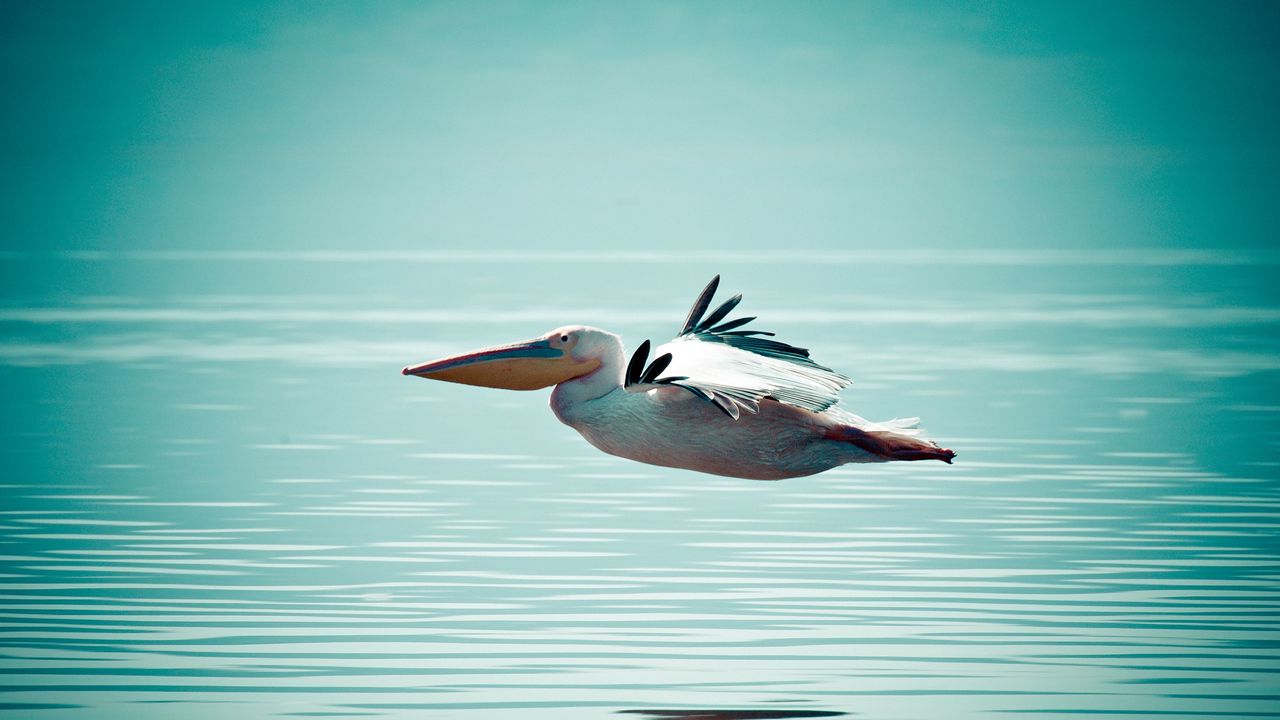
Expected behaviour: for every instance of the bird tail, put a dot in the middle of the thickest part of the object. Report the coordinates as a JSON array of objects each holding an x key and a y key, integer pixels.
[{"x": 897, "y": 439}]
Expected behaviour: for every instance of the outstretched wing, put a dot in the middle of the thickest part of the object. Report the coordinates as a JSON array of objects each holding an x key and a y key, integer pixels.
[{"x": 732, "y": 368}]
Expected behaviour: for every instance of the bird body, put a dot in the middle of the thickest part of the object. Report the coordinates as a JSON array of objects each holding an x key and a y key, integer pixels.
[{"x": 717, "y": 399}]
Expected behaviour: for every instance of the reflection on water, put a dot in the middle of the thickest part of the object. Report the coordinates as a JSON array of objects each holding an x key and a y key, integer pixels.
[
  {"x": 734, "y": 714},
  {"x": 220, "y": 504}
]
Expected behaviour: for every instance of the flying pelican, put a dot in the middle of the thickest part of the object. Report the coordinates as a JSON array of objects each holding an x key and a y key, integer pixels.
[{"x": 717, "y": 399}]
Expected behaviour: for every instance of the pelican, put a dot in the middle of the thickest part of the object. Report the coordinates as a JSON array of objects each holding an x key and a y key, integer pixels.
[{"x": 716, "y": 399}]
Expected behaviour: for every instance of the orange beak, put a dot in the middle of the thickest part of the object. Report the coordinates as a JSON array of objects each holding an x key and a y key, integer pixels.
[{"x": 528, "y": 365}]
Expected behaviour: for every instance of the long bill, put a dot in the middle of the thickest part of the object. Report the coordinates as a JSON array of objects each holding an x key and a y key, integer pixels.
[{"x": 527, "y": 365}]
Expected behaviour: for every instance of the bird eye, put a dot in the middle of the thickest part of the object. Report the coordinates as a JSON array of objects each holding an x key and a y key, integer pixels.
[{"x": 564, "y": 338}]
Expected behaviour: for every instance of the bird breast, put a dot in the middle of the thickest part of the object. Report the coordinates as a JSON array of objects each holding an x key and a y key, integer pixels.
[{"x": 673, "y": 428}]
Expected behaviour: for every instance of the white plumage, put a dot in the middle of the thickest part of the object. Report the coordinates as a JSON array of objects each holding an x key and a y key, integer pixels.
[
  {"x": 748, "y": 378},
  {"x": 717, "y": 399}
]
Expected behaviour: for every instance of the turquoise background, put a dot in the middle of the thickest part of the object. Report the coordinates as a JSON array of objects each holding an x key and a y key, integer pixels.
[
  {"x": 650, "y": 125},
  {"x": 1046, "y": 228}
]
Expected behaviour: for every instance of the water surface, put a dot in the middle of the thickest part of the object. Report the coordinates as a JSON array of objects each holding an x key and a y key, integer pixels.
[{"x": 222, "y": 499}]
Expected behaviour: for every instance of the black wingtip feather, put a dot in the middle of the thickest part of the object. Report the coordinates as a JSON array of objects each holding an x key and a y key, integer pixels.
[
  {"x": 720, "y": 312},
  {"x": 700, "y": 305},
  {"x": 725, "y": 327},
  {"x": 655, "y": 369},
  {"x": 636, "y": 367}
]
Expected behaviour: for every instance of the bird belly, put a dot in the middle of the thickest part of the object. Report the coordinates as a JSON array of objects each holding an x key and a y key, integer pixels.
[{"x": 672, "y": 428}]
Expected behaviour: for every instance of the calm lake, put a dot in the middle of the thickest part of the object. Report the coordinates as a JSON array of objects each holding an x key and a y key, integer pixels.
[{"x": 222, "y": 500}]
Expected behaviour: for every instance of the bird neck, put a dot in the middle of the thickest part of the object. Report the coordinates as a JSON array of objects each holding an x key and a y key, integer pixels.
[{"x": 596, "y": 384}]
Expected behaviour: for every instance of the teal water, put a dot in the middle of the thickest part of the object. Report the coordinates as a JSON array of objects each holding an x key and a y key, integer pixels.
[{"x": 221, "y": 498}]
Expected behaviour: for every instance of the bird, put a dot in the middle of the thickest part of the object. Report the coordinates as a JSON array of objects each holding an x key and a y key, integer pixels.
[{"x": 717, "y": 399}]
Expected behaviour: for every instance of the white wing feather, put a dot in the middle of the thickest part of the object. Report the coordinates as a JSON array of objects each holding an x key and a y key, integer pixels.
[
  {"x": 746, "y": 378},
  {"x": 734, "y": 369}
]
